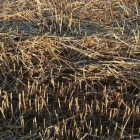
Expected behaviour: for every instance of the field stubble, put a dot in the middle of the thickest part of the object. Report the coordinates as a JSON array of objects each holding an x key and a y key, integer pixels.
[{"x": 69, "y": 69}]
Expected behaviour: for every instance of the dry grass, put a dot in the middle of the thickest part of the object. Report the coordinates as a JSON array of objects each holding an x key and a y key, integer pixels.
[{"x": 69, "y": 69}]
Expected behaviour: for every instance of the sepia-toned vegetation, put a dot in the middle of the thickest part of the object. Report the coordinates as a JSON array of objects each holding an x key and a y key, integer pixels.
[{"x": 69, "y": 69}]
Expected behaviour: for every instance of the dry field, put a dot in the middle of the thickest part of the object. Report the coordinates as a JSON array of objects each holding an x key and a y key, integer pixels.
[{"x": 69, "y": 69}]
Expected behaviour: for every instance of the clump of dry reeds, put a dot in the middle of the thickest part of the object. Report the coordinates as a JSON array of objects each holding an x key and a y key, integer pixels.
[{"x": 69, "y": 69}]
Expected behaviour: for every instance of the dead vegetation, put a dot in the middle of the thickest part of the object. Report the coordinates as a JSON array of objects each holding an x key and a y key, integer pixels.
[{"x": 69, "y": 69}]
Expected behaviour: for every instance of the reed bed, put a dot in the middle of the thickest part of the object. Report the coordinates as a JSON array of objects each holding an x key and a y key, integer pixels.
[{"x": 69, "y": 69}]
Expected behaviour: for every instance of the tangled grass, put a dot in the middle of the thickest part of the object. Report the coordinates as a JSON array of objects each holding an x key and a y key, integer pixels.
[{"x": 69, "y": 69}]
